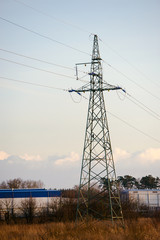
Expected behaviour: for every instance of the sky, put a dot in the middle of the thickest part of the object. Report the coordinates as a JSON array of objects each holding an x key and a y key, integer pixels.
[{"x": 42, "y": 128}]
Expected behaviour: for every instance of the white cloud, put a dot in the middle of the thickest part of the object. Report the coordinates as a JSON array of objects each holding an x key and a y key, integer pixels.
[
  {"x": 73, "y": 158},
  {"x": 120, "y": 154},
  {"x": 31, "y": 157},
  {"x": 150, "y": 154},
  {"x": 3, "y": 155},
  {"x": 137, "y": 164}
]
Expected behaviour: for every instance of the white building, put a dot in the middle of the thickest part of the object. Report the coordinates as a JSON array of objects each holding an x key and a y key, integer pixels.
[{"x": 147, "y": 197}]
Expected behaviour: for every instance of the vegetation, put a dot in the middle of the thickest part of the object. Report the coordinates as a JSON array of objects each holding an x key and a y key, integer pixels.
[
  {"x": 28, "y": 208},
  {"x": 147, "y": 182},
  {"x": 126, "y": 182},
  {"x": 56, "y": 221},
  {"x": 150, "y": 182},
  {"x": 65, "y": 209},
  {"x": 141, "y": 229},
  {"x": 18, "y": 183}
]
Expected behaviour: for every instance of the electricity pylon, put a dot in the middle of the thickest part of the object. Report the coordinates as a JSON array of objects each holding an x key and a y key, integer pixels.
[{"x": 98, "y": 196}]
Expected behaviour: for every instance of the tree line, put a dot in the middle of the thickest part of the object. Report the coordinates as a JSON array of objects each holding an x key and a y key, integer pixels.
[
  {"x": 125, "y": 182},
  {"x": 65, "y": 208},
  {"x": 18, "y": 183},
  {"x": 146, "y": 182}
]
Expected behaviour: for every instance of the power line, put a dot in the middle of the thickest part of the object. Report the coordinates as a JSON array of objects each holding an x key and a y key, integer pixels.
[
  {"x": 129, "y": 63},
  {"x": 34, "y": 84},
  {"x": 140, "y": 104},
  {"x": 143, "y": 106},
  {"x": 41, "y": 85},
  {"x": 36, "y": 59},
  {"x": 84, "y": 30},
  {"x": 51, "y": 87},
  {"x": 51, "y": 39},
  {"x": 52, "y": 17},
  {"x": 133, "y": 127},
  {"x": 39, "y": 69},
  {"x": 131, "y": 80},
  {"x": 43, "y": 61},
  {"x": 130, "y": 125},
  {"x": 43, "y": 36},
  {"x": 151, "y": 112}
]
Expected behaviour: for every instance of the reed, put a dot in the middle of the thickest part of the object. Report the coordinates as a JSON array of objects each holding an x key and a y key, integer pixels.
[{"x": 140, "y": 229}]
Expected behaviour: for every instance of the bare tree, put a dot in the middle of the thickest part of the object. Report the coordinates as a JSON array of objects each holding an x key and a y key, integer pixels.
[
  {"x": 7, "y": 206},
  {"x": 15, "y": 183},
  {"x": 32, "y": 184},
  {"x": 3, "y": 185},
  {"x": 18, "y": 183},
  {"x": 28, "y": 208}
]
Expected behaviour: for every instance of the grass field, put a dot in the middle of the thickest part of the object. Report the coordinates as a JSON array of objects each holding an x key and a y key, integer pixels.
[{"x": 141, "y": 229}]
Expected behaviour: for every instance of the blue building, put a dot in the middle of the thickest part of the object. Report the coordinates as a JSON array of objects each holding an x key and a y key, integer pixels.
[
  {"x": 11, "y": 199},
  {"x": 27, "y": 193}
]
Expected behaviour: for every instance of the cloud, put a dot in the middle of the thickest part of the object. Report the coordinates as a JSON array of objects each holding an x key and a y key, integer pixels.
[
  {"x": 151, "y": 155},
  {"x": 120, "y": 154},
  {"x": 73, "y": 158},
  {"x": 55, "y": 171},
  {"x": 15, "y": 158},
  {"x": 3, "y": 155},
  {"x": 31, "y": 157},
  {"x": 139, "y": 163},
  {"x": 64, "y": 171}
]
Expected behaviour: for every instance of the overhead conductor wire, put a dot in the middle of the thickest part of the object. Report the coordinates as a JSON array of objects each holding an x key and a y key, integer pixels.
[
  {"x": 138, "y": 130},
  {"x": 143, "y": 106},
  {"x": 36, "y": 59},
  {"x": 39, "y": 69},
  {"x": 34, "y": 84},
  {"x": 42, "y": 85},
  {"x": 84, "y": 30},
  {"x": 51, "y": 39},
  {"x": 51, "y": 87},
  {"x": 66, "y": 46},
  {"x": 129, "y": 63},
  {"x": 133, "y": 127},
  {"x": 43, "y": 36},
  {"x": 131, "y": 80},
  {"x": 52, "y": 17},
  {"x": 140, "y": 105},
  {"x": 42, "y": 61}
]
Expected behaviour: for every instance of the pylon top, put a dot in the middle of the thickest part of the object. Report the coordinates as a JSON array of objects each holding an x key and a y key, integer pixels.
[
  {"x": 95, "y": 53},
  {"x": 96, "y": 82}
]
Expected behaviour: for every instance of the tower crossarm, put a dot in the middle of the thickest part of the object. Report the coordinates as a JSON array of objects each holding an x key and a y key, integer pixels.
[{"x": 87, "y": 88}]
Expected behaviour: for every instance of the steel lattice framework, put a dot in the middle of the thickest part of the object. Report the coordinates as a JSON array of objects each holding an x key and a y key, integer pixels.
[{"x": 98, "y": 191}]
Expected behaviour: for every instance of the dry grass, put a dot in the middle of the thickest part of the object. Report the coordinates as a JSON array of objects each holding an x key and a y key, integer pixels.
[{"x": 142, "y": 229}]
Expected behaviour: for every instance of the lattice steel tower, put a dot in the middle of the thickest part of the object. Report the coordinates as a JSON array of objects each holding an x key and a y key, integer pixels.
[{"x": 98, "y": 191}]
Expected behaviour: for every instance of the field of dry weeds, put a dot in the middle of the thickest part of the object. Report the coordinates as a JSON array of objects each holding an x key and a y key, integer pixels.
[{"x": 142, "y": 229}]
